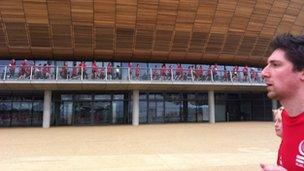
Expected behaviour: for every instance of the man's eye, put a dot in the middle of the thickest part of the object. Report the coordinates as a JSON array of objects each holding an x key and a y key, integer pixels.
[{"x": 275, "y": 64}]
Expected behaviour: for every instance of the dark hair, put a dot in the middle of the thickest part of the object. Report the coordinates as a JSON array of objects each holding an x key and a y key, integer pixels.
[{"x": 293, "y": 46}]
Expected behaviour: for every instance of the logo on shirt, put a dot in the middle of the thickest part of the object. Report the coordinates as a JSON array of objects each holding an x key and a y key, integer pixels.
[{"x": 300, "y": 156}]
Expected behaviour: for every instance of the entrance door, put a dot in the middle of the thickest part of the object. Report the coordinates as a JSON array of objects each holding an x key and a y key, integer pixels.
[
  {"x": 66, "y": 113},
  {"x": 101, "y": 112},
  {"x": 233, "y": 110},
  {"x": 83, "y": 113}
]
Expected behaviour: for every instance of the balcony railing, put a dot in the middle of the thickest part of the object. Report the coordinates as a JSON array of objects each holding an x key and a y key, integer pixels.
[{"x": 126, "y": 74}]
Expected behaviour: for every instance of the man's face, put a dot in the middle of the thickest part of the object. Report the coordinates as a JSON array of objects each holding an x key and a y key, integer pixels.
[{"x": 282, "y": 82}]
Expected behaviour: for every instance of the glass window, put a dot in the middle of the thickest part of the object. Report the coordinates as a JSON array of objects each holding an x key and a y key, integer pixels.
[
  {"x": 159, "y": 97},
  {"x": 118, "y": 96},
  {"x": 118, "y": 112},
  {"x": 191, "y": 111},
  {"x": 83, "y": 97},
  {"x": 143, "y": 112},
  {"x": 172, "y": 111},
  {"x": 5, "y": 110},
  {"x": 156, "y": 112},
  {"x": 151, "y": 96},
  {"x": 142, "y": 96},
  {"x": 66, "y": 97},
  {"x": 103, "y": 97},
  {"x": 191, "y": 96},
  {"x": 173, "y": 97},
  {"x": 37, "y": 113}
]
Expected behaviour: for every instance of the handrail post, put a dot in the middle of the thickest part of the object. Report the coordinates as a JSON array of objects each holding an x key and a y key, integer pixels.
[
  {"x": 129, "y": 74},
  {"x": 151, "y": 74},
  {"x": 81, "y": 74},
  {"x": 31, "y": 73},
  {"x": 230, "y": 75},
  {"x": 4, "y": 75},
  {"x": 106, "y": 73},
  {"x": 171, "y": 73},
  {"x": 211, "y": 75},
  {"x": 192, "y": 78},
  {"x": 56, "y": 76},
  {"x": 249, "y": 77}
]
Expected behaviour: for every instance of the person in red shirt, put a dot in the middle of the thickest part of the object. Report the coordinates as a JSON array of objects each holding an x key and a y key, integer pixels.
[
  {"x": 163, "y": 72},
  {"x": 179, "y": 72},
  {"x": 94, "y": 70},
  {"x": 12, "y": 67},
  {"x": 102, "y": 73},
  {"x": 245, "y": 73},
  {"x": 130, "y": 70},
  {"x": 208, "y": 77},
  {"x": 74, "y": 72},
  {"x": 109, "y": 71},
  {"x": 137, "y": 72},
  {"x": 284, "y": 77},
  {"x": 155, "y": 73},
  {"x": 64, "y": 71}
]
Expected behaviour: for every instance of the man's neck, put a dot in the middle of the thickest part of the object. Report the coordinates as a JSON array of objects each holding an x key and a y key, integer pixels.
[{"x": 294, "y": 105}]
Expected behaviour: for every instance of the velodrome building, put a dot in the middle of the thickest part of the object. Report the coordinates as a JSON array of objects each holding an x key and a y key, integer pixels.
[{"x": 107, "y": 62}]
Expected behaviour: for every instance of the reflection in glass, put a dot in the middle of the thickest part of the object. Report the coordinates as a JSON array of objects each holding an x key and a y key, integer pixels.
[
  {"x": 192, "y": 112},
  {"x": 66, "y": 112},
  {"x": 37, "y": 113},
  {"x": 101, "y": 112},
  {"x": 143, "y": 111},
  {"x": 118, "y": 112},
  {"x": 83, "y": 97},
  {"x": 156, "y": 112},
  {"x": 102, "y": 97},
  {"x": 173, "y": 110},
  {"x": 5, "y": 117},
  {"x": 83, "y": 113}
]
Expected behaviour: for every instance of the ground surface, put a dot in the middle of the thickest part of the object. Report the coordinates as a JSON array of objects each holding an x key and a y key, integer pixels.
[{"x": 220, "y": 146}]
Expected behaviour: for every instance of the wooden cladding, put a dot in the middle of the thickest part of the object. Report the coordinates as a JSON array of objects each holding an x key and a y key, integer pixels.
[{"x": 199, "y": 31}]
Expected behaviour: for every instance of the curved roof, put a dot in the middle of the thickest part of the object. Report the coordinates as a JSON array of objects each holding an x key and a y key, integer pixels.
[{"x": 199, "y": 31}]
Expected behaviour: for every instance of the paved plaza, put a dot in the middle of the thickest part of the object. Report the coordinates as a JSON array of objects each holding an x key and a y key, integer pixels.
[{"x": 203, "y": 146}]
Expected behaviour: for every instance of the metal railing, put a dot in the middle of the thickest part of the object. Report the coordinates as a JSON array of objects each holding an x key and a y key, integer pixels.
[{"x": 128, "y": 74}]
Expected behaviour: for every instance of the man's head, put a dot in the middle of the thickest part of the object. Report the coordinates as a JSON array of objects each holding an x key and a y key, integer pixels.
[{"x": 284, "y": 73}]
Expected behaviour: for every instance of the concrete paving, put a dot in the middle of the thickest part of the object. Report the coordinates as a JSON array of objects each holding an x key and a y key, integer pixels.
[{"x": 204, "y": 146}]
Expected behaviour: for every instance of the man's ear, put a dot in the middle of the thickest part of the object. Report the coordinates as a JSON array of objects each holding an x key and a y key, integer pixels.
[{"x": 302, "y": 75}]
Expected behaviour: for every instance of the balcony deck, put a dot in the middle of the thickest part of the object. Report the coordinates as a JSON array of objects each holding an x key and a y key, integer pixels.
[{"x": 59, "y": 78}]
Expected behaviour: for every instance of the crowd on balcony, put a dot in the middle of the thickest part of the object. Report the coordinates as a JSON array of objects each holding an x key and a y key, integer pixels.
[{"x": 27, "y": 69}]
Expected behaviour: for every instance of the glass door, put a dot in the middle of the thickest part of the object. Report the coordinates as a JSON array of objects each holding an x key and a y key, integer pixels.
[
  {"x": 37, "y": 113},
  {"x": 101, "y": 112},
  {"x": 83, "y": 113},
  {"x": 66, "y": 113}
]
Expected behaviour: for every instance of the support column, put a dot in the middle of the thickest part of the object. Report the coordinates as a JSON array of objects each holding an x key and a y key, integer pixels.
[
  {"x": 274, "y": 104},
  {"x": 211, "y": 106},
  {"x": 135, "y": 113},
  {"x": 47, "y": 109}
]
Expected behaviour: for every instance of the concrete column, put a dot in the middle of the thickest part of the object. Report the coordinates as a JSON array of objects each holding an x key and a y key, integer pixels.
[
  {"x": 47, "y": 109},
  {"x": 211, "y": 107},
  {"x": 274, "y": 104},
  {"x": 135, "y": 113}
]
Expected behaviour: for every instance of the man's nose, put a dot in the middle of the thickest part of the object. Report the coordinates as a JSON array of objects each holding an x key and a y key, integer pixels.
[{"x": 265, "y": 72}]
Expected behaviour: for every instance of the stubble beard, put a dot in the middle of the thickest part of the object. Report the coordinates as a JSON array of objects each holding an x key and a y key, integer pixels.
[{"x": 272, "y": 95}]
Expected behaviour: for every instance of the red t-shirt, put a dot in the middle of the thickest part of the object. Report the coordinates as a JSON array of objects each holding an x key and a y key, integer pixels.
[{"x": 291, "y": 149}]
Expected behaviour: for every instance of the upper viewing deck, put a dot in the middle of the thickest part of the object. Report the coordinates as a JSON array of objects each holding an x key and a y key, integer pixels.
[{"x": 125, "y": 78}]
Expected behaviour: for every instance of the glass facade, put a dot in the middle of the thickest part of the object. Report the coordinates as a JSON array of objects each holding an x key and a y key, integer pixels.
[
  {"x": 90, "y": 108},
  {"x": 103, "y": 108},
  {"x": 21, "y": 109}
]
